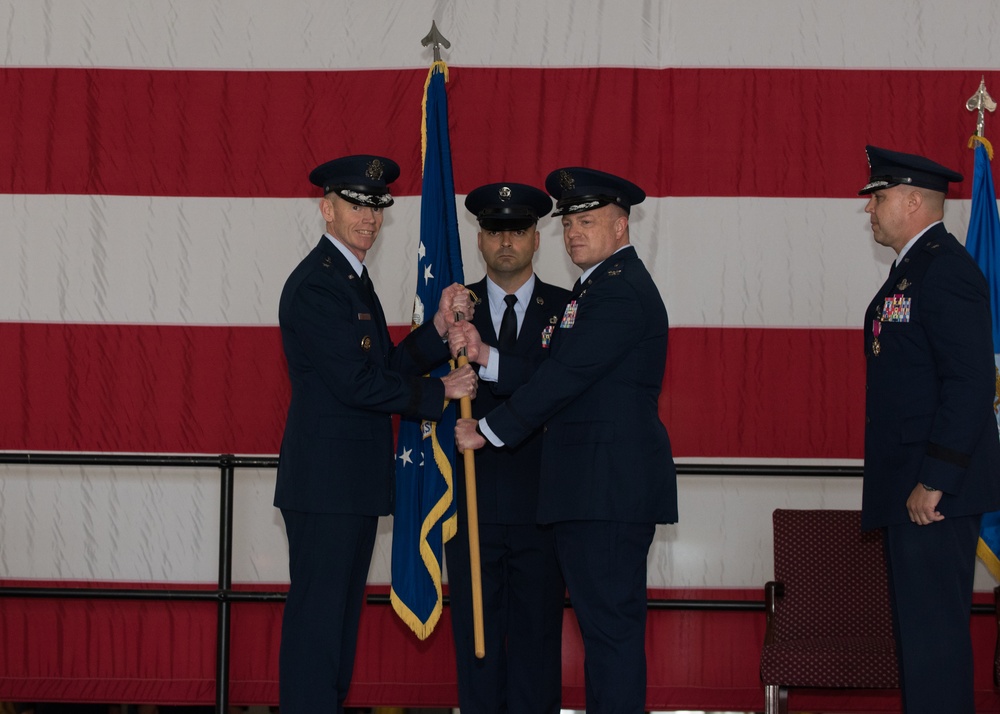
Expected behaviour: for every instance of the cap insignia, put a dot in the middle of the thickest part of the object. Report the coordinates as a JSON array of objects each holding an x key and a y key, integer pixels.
[
  {"x": 566, "y": 181},
  {"x": 375, "y": 170},
  {"x": 505, "y": 193}
]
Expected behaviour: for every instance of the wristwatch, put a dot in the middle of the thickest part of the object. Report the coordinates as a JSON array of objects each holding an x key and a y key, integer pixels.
[{"x": 928, "y": 488}]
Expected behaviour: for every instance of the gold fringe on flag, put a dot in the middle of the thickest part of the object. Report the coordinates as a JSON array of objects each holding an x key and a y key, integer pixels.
[{"x": 974, "y": 139}]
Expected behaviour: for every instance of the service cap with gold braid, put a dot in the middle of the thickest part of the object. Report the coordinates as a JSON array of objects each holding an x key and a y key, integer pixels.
[
  {"x": 894, "y": 168},
  {"x": 362, "y": 179},
  {"x": 577, "y": 189}
]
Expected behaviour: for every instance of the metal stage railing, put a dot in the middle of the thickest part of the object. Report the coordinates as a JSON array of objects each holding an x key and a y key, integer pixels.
[{"x": 224, "y": 595}]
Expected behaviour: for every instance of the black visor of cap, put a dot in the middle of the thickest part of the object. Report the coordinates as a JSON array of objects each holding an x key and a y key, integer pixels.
[{"x": 507, "y": 218}]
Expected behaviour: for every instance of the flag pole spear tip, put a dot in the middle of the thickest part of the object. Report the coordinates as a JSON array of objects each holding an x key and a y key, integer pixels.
[
  {"x": 435, "y": 38},
  {"x": 981, "y": 102}
]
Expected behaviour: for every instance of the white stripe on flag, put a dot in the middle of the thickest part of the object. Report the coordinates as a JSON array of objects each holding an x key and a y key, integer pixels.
[{"x": 772, "y": 262}]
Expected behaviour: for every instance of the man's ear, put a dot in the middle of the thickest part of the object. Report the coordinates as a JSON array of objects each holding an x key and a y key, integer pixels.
[
  {"x": 326, "y": 209},
  {"x": 621, "y": 223}
]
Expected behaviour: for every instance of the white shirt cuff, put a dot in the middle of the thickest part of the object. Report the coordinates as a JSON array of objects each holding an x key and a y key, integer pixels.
[
  {"x": 488, "y": 433},
  {"x": 491, "y": 372}
]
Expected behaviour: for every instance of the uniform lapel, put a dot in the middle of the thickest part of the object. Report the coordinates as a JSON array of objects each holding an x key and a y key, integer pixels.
[
  {"x": 482, "y": 318},
  {"x": 366, "y": 297}
]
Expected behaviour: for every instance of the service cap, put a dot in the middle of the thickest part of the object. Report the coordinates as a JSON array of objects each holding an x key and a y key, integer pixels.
[
  {"x": 361, "y": 179},
  {"x": 577, "y": 189},
  {"x": 892, "y": 168},
  {"x": 508, "y": 206}
]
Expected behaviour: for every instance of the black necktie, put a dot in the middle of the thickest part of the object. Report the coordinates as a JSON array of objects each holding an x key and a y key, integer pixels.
[
  {"x": 508, "y": 325},
  {"x": 367, "y": 282}
]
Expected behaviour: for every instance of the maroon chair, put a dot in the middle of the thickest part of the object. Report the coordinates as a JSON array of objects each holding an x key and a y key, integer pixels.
[{"x": 829, "y": 622}]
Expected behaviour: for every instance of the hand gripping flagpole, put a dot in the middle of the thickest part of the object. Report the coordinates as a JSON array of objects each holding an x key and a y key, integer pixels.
[
  {"x": 435, "y": 38},
  {"x": 472, "y": 523}
]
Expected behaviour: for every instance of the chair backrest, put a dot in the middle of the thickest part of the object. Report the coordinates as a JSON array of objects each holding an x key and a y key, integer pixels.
[{"x": 834, "y": 575}]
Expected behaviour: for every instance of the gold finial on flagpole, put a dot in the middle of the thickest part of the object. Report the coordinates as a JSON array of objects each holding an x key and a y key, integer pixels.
[
  {"x": 981, "y": 102},
  {"x": 434, "y": 37}
]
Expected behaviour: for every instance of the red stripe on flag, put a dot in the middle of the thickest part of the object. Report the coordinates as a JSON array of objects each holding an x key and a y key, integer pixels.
[
  {"x": 754, "y": 393},
  {"x": 676, "y": 132},
  {"x": 142, "y": 388},
  {"x": 766, "y": 393}
]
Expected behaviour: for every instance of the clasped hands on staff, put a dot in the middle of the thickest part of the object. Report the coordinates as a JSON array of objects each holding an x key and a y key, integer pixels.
[{"x": 455, "y": 299}]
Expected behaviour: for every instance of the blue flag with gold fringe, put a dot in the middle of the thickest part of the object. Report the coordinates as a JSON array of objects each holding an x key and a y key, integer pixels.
[
  {"x": 425, "y": 456},
  {"x": 983, "y": 242}
]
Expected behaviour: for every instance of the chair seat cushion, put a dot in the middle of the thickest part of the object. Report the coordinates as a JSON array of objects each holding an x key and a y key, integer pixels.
[{"x": 863, "y": 662}]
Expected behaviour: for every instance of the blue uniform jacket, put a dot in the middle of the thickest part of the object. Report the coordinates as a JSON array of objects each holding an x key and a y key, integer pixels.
[
  {"x": 347, "y": 379},
  {"x": 930, "y": 386},
  {"x": 507, "y": 478},
  {"x": 606, "y": 454}
]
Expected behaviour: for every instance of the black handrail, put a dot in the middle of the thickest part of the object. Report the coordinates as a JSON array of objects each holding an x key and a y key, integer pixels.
[{"x": 224, "y": 594}]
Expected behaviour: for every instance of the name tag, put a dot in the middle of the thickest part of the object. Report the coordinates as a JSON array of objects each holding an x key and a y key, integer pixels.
[{"x": 364, "y": 316}]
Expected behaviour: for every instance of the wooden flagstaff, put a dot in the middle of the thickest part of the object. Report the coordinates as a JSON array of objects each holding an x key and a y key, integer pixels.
[{"x": 472, "y": 525}]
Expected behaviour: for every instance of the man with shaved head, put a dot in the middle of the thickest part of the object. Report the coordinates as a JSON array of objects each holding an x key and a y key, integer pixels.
[{"x": 932, "y": 454}]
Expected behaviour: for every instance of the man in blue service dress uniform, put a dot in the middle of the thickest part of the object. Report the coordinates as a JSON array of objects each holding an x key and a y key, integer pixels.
[
  {"x": 335, "y": 470},
  {"x": 608, "y": 476},
  {"x": 523, "y": 590},
  {"x": 932, "y": 453}
]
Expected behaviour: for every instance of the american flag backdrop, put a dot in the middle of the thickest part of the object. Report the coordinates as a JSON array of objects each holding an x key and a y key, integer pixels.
[{"x": 154, "y": 197}]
